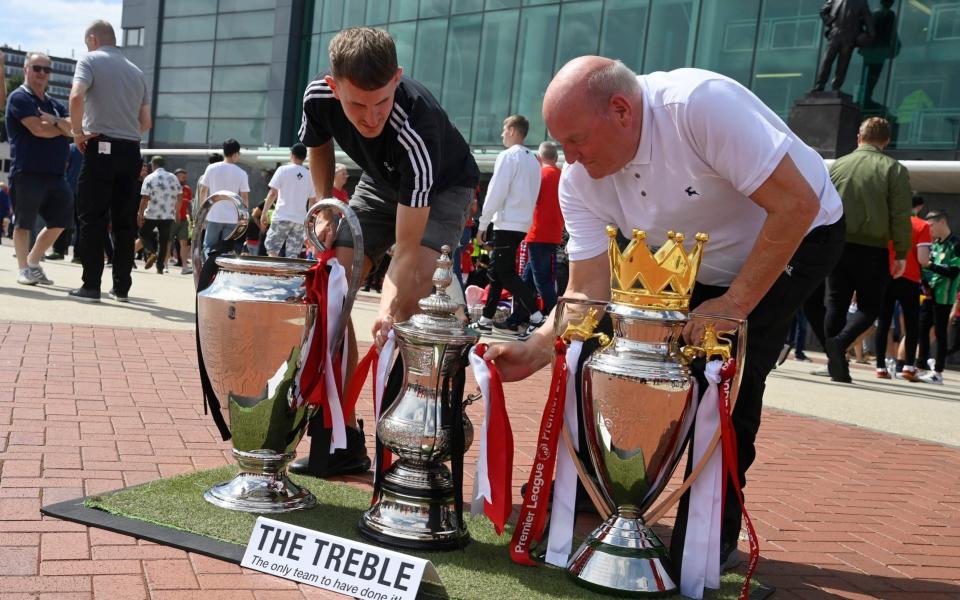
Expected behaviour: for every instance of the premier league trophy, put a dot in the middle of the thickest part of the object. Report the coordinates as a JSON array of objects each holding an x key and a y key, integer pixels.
[
  {"x": 416, "y": 507},
  {"x": 638, "y": 408},
  {"x": 253, "y": 324}
]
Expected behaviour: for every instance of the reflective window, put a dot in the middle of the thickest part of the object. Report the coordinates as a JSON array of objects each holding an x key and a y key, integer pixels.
[
  {"x": 332, "y": 15},
  {"x": 253, "y": 105},
  {"x": 533, "y": 70},
  {"x": 241, "y": 79},
  {"x": 182, "y": 8},
  {"x": 240, "y": 25},
  {"x": 404, "y": 36},
  {"x": 189, "y": 29},
  {"x": 353, "y": 13},
  {"x": 492, "y": 104},
  {"x": 787, "y": 49},
  {"x": 726, "y": 38},
  {"x": 429, "y": 52},
  {"x": 403, "y": 10},
  {"x": 182, "y": 105},
  {"x": 249, "y": 132},
  {"x": 466, "y": 6},
  {"x": 498, "y": 4},
  {"x": 579, "y": 31},
  {"x": 460, "y": 71},
  {"x": 378, "y": 12},
  {"x": 238, "y": 5},
  {"x": 191, "y": 54},
  {"x": 174, "y": 132},
  {"x": 434, "y": 8},
  {"x": 624, "y": 29},
  {"x": 184, "y": 80},
  {"x": 133, "y": 36},
  {"x": 670, "y": 39},
  {"x": 243, "y": 52}
]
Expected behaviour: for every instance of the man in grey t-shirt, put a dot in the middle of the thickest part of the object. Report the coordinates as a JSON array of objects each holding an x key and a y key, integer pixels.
[{"x": 109, "y": 97}]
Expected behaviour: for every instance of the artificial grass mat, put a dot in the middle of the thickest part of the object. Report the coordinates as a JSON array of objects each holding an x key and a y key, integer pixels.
[{"x": 482, "y": 570}]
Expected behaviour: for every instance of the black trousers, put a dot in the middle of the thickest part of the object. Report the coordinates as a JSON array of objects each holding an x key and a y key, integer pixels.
[
  {"x": 109, "y": 192},
  {"x": 863, "y": 270},
  {"x": 503, "y": 273},
  {"x": 936, "y": 316},
  {"x": 907, "y": 293},
  {"x": 149, "y": 241},
  {"x": 841, "y": 52},
  {"x": 767, "y": 327}
]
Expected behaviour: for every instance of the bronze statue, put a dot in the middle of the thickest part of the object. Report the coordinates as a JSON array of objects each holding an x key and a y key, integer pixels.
[
  {"x": 847, "y": 24},
  {"x": 885, "y": 46}
]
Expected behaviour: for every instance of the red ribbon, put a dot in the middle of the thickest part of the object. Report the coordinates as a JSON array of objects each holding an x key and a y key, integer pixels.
[
  {"x": 499, "y": 450},
  {"x": 530, "y": 525},
  {"x": 728, "y": 438},
  {"x": 312, "y": 388}
]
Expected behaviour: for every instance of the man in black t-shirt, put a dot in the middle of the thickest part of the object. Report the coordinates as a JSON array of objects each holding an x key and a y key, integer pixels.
[{"x": 417, "y": 183}]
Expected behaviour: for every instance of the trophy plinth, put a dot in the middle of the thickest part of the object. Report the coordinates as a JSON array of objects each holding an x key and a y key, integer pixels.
[{"x": 416, "y": 505}]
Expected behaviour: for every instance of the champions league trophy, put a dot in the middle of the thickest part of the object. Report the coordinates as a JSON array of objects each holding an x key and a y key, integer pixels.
[
  {"x": 638, "y": 407},
  {"x": 253, "y": 325},
  {"x": 417, "y": 506}
]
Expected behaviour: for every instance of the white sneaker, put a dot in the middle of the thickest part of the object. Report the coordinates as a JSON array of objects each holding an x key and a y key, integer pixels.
[
  {"x": 932, "y": 377},
  {"x": 187, "y": 270},
  {"x": 41, "y": 277},
  {"x": 26, "y": 277}
]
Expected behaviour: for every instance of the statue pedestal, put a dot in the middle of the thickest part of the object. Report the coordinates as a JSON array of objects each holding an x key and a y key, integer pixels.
[{"x": 827, "y": 122}]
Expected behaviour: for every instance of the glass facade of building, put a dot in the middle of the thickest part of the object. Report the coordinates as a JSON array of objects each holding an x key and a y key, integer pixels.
[{"x": 486, "y": 59}]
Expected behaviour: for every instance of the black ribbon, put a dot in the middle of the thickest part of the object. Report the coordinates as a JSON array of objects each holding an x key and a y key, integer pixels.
[
  {"x": 453, "y": 397},
  {"x": 210, "y": 402}
]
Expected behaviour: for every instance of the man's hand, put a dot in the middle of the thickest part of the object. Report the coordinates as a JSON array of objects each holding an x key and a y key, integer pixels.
[
  {"x": 482, "y": 236},
  {"x": 263, "y": 223},
  {"x": 381, "y": 329},
  {"x": 140, "y": 219},
  {"x": 326, "y": 229},
  {"x": 47, "y": 118},
  {"x": 519, "y": 360},
  {"x": 723, "y": 306},
  {"x": 899, "y": 266},
  {"x": 81, "y": 140}
]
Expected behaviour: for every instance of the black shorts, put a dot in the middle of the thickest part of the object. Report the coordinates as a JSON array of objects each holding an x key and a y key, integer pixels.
[{"x": 41, "y": 193}]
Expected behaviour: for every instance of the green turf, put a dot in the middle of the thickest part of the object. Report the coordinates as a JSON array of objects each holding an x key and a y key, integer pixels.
[{"x": 482, "y": 570}]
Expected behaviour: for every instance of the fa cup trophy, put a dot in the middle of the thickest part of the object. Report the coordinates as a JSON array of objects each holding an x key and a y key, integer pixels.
[
  {"x": 416, "y": 507},
  {"x": 637, "y": 408},
  {"x": 253, "y": 324}
]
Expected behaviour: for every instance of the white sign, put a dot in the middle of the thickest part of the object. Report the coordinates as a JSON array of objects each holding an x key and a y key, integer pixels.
[{"x": 333, "y": 563}]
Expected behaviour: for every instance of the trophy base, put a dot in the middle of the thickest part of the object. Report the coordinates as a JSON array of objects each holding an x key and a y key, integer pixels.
[
  {"x": 415, "y": 518},
  {"x": 262, "y": 486},
  {"x": 624, "y": 557}
]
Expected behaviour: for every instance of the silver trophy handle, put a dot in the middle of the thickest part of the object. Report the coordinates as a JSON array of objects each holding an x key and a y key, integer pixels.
[
  {"x": 200, "y": 225},
  {"x": 310, "y": 225}
]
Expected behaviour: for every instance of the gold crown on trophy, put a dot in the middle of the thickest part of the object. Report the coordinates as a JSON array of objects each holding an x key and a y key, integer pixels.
[{"x": 661, "y": 280}]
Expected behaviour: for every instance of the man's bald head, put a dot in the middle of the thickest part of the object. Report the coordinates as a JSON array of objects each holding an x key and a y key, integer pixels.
[{"x": 594, "y": 108}]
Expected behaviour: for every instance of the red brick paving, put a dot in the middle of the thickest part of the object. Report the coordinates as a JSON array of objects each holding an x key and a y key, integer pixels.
[{"x": 842, "y": 512}]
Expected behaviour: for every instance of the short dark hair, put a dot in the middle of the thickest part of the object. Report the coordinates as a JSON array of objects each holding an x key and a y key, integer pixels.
[
  {"x": 299, "y": 150},
  {"x": 518, "y": 122},
  {"x": 937, "y": 215},
  {"x": 365, "y": 56},
  {"x": 917, "y": 200},
  {"x": 231, "y": 147}
]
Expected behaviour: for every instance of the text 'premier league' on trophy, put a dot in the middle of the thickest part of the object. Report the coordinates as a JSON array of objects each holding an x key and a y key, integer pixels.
[
  {"x": 638, "y": 405},
  {"x": 269, "y": 334}
]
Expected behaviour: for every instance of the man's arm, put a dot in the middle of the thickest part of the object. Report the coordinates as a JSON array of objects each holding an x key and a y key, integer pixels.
[
  {"x": 63, "y": 124},
  {"x": 176, "y": 209},
  {"x": 144, "y": 118},
  {"x": 40, "y": 129},
  {"x": 503, "y": 171},
  {"x": 899, "y": 205},
  {"x": 267, "y": 204},
  {"x": 399, "y": 298},
  {"x": 588, "y": 280},
  {"x": 791, "y": 207},
  {"x": 322, "y": 163},
  {"x": 144, "y": 201},
  {"x": 77, "y": 94}
]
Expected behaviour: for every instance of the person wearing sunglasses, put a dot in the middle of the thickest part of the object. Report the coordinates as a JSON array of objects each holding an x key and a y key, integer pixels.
[{"x": 39, "y": 132}]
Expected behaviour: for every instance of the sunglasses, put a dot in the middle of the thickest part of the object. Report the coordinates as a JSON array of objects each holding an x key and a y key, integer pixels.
[{"x": 41, "y": 69}]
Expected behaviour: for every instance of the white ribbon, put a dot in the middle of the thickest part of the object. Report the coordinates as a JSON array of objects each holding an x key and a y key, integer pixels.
[
  {"x": 384, "y": 363},
  {"x": 336, "y": 294},
  {"x": 564, "y": 511},
  {"x": 701, "y": 548},
  {"x": 481, "y": 482}
]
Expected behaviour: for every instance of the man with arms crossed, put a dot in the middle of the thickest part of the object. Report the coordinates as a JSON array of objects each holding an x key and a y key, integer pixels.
[
  {"x": 690, "y": 151},
  {"x": 415, "y": 191},
  {"x": 109, "y": 99},
  {"x": 39, "y": 133}
]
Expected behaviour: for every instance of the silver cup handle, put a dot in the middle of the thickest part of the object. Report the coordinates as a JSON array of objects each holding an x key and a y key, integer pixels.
[
  {"x": 310, "y": 225},
  {"x": 200, "y": 225}
]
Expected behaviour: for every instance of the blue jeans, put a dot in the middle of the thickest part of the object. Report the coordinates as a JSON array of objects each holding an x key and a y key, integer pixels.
[
  {"x": 216, "y": 236},
  {"x": 798, "y": 333},
  {"x": 539, "y": 273}
]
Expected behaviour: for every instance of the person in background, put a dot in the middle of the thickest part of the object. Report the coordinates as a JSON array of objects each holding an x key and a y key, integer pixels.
[
  {"x": 943, "y": 278},
  {"x": 292, "y": 189},
  {"x": 340, "y": 177},
  {"x": 6, "y": 208},
  {"x": 181, "y": 229},
  {"x": 218, "y": 177},
  {"x": 69, "y": 236},
  {"x": 160, "y": 202},
  {"x": 905, "y": 291}
]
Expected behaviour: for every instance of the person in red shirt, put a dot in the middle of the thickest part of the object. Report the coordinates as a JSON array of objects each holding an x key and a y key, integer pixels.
[
  {"x": 181, "y": 229},
  {"x": 905, "y": 290},
  {"x": 544, "y": 235},
  {"x": 340, "y": 176}
]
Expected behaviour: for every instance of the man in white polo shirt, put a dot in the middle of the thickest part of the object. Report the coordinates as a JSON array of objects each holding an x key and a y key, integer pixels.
[{"x": 691, "y": 151}]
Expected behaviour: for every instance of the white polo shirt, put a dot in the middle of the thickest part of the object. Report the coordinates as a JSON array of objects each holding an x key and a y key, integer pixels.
[
  {"x": 706, "y": 144},
  {"x": 294, "y": 189},
  {"x": 221, "y": 176}
]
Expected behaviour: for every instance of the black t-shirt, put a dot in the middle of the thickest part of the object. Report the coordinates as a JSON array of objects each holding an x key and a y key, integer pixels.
[{"x": 419, "y": 154}]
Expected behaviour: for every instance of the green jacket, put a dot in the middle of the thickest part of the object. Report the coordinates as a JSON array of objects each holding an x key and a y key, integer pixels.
[
  {"x": 943, "y": 274},
  {"x": 875, "y": 190}
]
